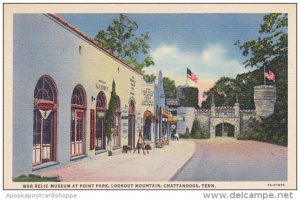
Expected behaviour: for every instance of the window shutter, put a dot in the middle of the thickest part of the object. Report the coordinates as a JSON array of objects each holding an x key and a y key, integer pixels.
[{"x": 92, "y": 129}]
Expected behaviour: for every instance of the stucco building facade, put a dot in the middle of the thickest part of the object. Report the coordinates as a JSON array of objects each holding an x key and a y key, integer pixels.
[{"x": 62, "y": 83}]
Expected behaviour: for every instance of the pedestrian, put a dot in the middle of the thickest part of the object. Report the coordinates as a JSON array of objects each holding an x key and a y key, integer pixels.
[{"x": 177, "y": 136}]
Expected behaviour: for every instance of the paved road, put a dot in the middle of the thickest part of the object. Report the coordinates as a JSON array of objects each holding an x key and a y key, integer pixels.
[{"x": 227, "y": 159}]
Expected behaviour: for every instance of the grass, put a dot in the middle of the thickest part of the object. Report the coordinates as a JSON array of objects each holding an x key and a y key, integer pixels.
[{"x": 35, "y": 178}]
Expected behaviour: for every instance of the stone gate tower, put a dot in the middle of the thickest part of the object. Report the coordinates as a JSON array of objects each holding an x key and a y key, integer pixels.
[{"x": 264, "y": 100}]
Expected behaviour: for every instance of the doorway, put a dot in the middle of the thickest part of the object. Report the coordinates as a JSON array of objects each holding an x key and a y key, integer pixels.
[
  {"x": 44, "y": 121},
  {"x": 225, "y": 130},
  {"x": 78, "y": 105}
]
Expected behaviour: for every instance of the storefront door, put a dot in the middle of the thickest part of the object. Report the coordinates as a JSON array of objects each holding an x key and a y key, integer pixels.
[
  {"x": 43, "y": 138},
  {"x": 77, "y": 136},
  {"x": 44, "y": 121},
  {"x": 100, "y": 131}
]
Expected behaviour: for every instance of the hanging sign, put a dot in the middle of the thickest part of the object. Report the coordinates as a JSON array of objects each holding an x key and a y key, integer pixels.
[
  {"x": 45, "y": 109},
  {"x": 101, "y": 85},
  {"x": 45, "y": 113},
  {"x": 172, "y": 102},
  {"x": 100, "y": 115}
]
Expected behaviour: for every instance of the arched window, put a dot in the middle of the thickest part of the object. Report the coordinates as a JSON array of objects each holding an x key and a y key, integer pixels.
[
  {"x": 78, "y": 105},
  {"x": 78, "y": 97},
  {"x": 100, "y": 142},
  {"x": 45, "y": 90},
  {"x": 101, "y": 101},
  {"x": 44, "y": 121},
  {"x": 117, "y": 125},
  {"x": 131, "y": 124}
]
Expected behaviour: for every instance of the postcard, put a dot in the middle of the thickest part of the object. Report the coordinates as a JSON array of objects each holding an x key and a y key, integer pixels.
[{"x": 149, "y": 96}]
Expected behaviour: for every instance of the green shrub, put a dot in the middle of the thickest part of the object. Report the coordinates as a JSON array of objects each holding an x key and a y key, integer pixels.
[
  {"x": 283, "y": 140},
  {"x": 200, "y": 136},
  {"x": 195, "y": 127},
  {"x": 184, "y": 135},
  {"x": 264, "y": 137}
]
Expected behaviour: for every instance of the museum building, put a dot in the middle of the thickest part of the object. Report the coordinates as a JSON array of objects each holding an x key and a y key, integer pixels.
[{"x": 62, "y": 84}]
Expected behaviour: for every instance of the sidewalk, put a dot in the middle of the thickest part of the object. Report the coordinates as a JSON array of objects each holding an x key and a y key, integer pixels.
[{"x": 158, "y": 165}]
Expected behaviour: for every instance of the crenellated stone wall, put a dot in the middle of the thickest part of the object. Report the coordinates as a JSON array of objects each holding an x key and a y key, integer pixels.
[
  {"x": 242, "y": 120},
  {"x": 264, "y": 98}
]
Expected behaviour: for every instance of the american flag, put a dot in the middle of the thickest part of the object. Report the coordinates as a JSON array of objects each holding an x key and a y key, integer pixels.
[
  {"x": 191, "y": 75},
  {"x": 270, "y": 76}
]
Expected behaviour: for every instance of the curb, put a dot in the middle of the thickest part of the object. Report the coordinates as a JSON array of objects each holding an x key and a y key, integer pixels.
[{"x": 172, "y": 177}]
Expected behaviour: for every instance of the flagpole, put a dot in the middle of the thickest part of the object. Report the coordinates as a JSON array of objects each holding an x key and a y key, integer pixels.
[
  {"x": 264, "y": 75},
  {"x": 186, "y": 79},
  {"x": 199, "y": 99}
]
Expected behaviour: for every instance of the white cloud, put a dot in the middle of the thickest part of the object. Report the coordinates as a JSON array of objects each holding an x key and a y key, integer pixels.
[
  {"x": 211, "y": 52},
  {"x": 164, "y": 51},
  {"x": 209, "y": 64}
]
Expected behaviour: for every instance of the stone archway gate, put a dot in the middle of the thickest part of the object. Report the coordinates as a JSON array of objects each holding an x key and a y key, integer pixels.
[
  {"x": 214, "y": 121},
  {"x": 264, "y": 99},
  {"x": 221, "y": 115}
]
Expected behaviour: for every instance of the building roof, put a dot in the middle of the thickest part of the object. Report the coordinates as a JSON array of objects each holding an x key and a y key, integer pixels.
[{"x": 85, "y": 37}]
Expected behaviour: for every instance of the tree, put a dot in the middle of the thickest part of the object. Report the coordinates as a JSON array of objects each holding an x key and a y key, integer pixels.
[
  {"x": 226, "y": 89},
  {"x": 271, "y": 51},
  {"x": 196, "y": 131},
  {"x": 270, "y": 48},
  {"x": 223, "y": 92},
  {"x": 189, "y": 97},
  {"x": 149, "y": 78},
  {"x": 110, "y": 114},
  {"x": 169, "y": 88},
  {"x": 196, "y": 127},
  {"x": 120, "y": 39}
]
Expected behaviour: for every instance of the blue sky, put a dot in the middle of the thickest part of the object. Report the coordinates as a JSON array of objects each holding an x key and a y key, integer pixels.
[{"x": 202, "y": 42}]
